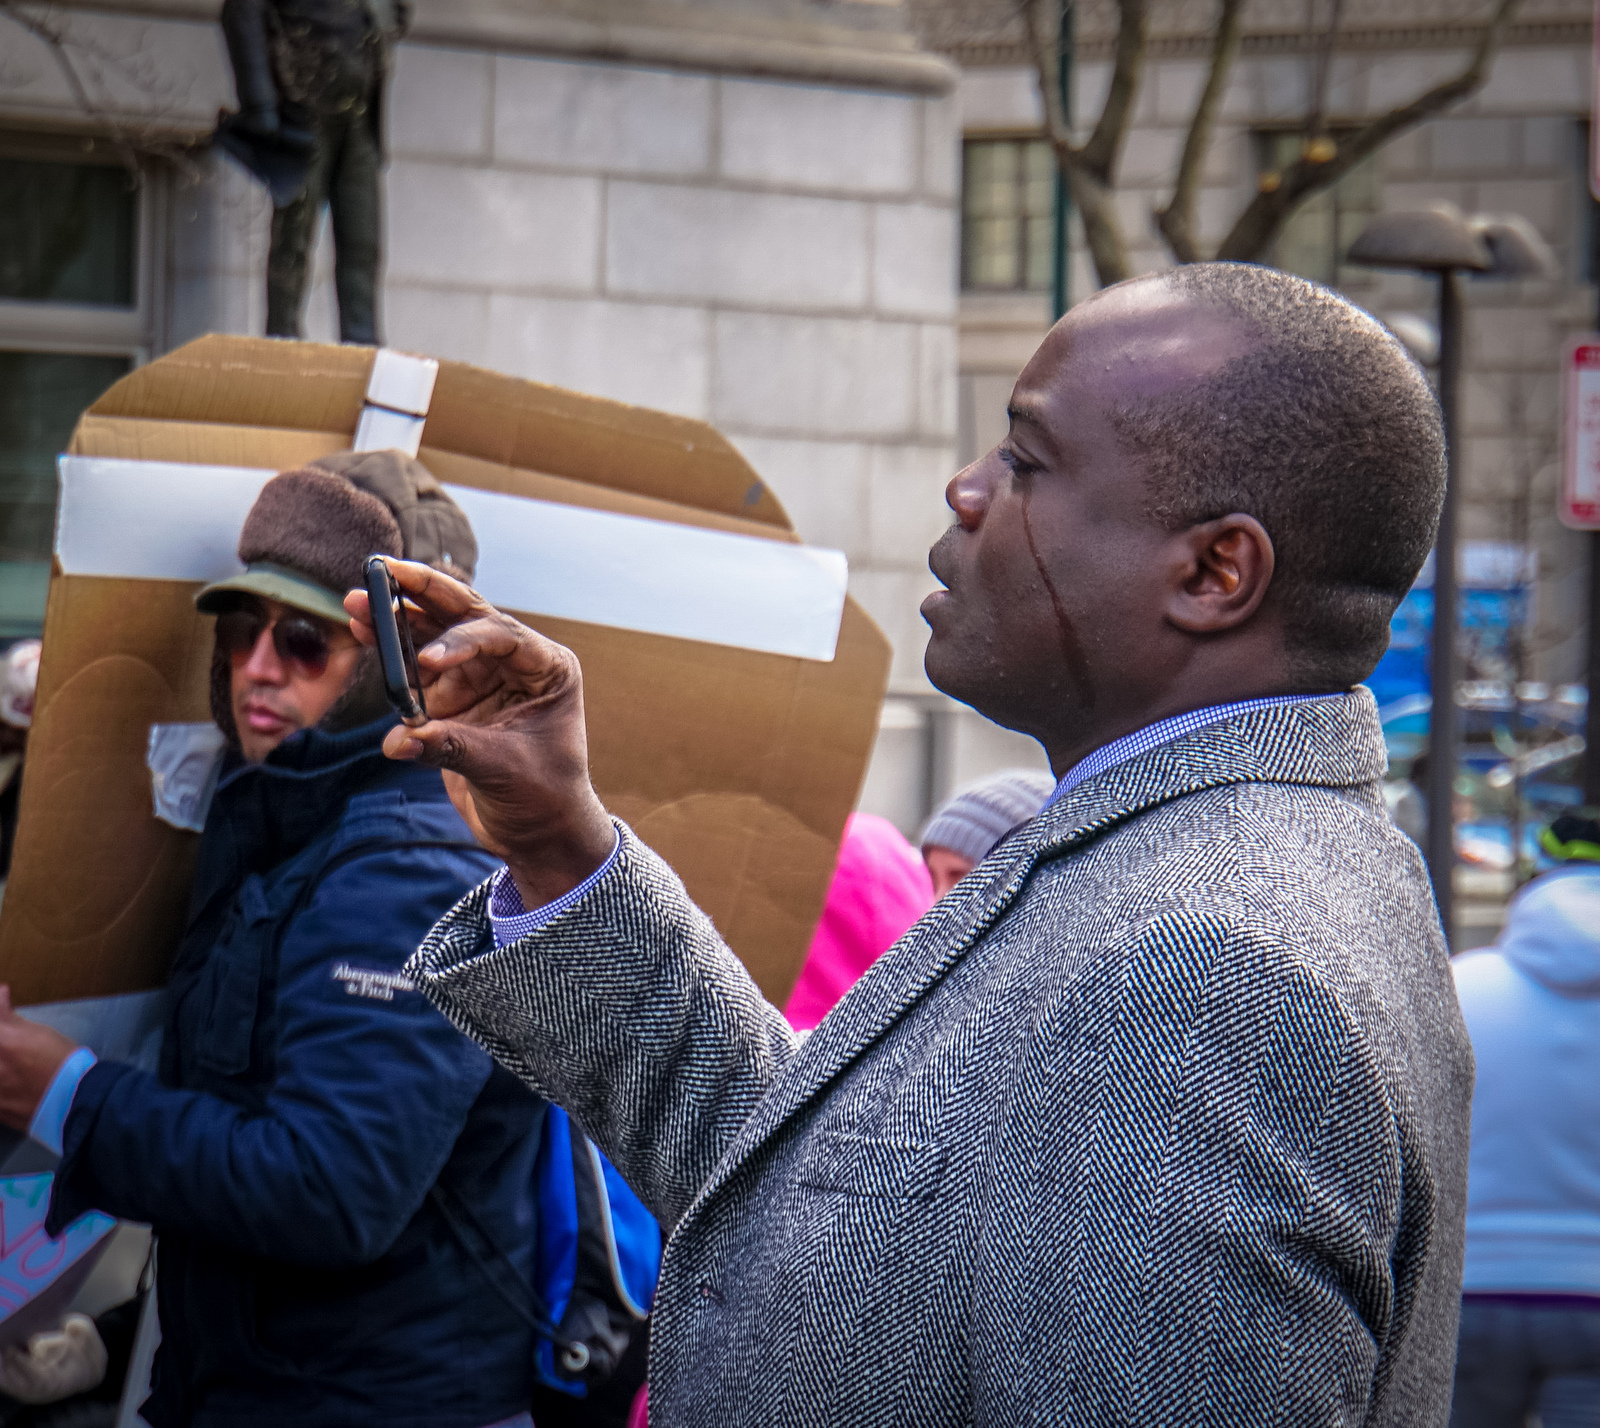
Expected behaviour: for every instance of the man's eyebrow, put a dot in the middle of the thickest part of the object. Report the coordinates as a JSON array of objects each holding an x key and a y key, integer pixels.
[{"x": 1028, "y": 414}]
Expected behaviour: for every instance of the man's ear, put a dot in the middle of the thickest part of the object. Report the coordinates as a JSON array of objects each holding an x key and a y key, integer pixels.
[{"x": 1222, "y": 571}]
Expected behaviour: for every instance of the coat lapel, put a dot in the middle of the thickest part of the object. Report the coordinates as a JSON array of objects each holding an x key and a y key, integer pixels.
[{"x": 1331, "y": 743}]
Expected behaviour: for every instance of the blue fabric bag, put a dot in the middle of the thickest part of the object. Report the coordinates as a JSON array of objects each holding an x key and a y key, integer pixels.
[
  {"x": 595, "y": 1262},
  {"x": 599, "y": 1253}
]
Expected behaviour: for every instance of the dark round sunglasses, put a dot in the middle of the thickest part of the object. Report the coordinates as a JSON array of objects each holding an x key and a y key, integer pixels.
[{"x": 300, "y": 640}]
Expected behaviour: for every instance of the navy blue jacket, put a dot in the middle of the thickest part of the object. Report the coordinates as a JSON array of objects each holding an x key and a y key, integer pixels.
[{"x": 308, "y": 1100}]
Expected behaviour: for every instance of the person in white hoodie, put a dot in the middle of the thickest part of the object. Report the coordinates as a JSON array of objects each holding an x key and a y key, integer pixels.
[{"x": 1530, "y": 1311}]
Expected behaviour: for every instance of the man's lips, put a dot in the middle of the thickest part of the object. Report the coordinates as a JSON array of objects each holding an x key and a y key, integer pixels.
[
  {"x": 938, "y": 562},
  {"x": 264, "y": 720},
  {"x": 937, "y": 600}
]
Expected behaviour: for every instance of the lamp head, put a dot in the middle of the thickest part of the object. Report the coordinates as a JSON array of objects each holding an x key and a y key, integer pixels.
[
  {"x": 1435, "y": 239},
  {"x": 1516, "y": 248}
]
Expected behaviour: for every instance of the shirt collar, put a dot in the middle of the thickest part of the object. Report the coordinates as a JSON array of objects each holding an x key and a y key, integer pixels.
[{"x": 1164, "y": 731}]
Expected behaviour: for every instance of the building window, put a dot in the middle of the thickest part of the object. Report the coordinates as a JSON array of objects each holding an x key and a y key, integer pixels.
[
  {"x": 1314, "y": 241},
  {"x": 1008, "y": 196},
  {"x": 75, "y": 305},
  {"x": 66, "y": 232},
  {"x": 41, "y": 395}
]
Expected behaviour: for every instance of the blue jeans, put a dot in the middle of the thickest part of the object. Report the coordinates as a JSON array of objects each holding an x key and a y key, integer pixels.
[{"x": 1514, "y": 1360}]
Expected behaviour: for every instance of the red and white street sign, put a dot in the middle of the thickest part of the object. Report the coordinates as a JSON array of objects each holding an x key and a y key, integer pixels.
[{"x": 1580, "y": 486}]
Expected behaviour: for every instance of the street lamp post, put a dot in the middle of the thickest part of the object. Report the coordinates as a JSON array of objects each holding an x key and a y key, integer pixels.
[
  {"x": 1061, "y": 285},
  {"x": 1440, "y": 240}
]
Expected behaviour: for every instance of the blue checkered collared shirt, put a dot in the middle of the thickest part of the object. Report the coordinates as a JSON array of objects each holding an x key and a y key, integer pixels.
[
  {"x": 512, "y": 921},
  {"x": 1163, "y": 731}
]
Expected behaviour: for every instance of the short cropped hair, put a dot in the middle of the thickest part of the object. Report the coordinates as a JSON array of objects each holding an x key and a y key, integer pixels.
[{"x": 1328, "y": 433}]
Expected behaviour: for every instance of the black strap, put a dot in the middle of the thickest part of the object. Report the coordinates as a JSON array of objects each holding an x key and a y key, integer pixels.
[
  {"x": 495, "y": 1266},
  {"x": 457, "y": 1214}
]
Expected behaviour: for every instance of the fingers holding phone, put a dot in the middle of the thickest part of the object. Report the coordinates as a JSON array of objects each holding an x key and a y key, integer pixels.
[
  {"x": 476, "y": 662},
  {"x": 392, "y": 630},
  {"x": 502, "y": 707}
]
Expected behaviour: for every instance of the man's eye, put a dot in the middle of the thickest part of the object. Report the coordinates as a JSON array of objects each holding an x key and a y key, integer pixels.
[{"x": 1015, "y": 463}]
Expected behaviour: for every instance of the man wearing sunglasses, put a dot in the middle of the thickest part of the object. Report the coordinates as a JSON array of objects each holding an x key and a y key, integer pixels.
[
  {"x": 287, "y": 669},
  {"x": 320, "y": 1143}
]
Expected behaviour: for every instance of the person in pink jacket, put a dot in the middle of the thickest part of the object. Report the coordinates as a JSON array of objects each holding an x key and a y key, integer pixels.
[{"x": 879, "y": 889}]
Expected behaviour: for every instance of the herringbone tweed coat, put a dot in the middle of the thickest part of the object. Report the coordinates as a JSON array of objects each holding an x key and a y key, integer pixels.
[{"x": 1160, "y": 1118}]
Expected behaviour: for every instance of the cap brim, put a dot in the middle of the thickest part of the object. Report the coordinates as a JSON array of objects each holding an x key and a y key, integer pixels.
[{"x": 274, "y": 582}]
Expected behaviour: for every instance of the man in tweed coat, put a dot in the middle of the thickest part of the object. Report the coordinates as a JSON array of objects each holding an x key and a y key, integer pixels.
[{"x": 1161, "y": 1116}]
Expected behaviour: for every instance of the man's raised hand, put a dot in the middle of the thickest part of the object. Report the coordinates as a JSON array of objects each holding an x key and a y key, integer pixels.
[{"x": 505, "y": 709}]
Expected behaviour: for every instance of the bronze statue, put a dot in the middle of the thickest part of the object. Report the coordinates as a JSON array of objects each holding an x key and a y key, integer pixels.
[{"x": 310, "y": 77}]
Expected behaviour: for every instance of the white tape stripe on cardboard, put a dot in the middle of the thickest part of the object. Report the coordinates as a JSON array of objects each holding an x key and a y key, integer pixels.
[
  {"x": 396, "y": 409},
  {"x": 380, "y": 429},
  {"x": 158, "y": 520},
  {"x": 400, "y": 382}
]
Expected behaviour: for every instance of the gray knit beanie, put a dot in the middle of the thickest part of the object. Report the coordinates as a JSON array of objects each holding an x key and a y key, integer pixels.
[{"x": 973, "y": 819}]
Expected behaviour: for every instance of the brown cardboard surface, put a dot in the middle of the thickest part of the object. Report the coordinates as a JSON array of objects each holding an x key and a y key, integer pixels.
[
  {"x": 270, "y": 385},
  {"x": 739, "y": 767}
]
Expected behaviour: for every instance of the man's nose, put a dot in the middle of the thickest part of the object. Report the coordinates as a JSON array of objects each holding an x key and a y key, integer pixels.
[
  {"x": 968, "y": 495},
  {"x": 264, "y": 666}
]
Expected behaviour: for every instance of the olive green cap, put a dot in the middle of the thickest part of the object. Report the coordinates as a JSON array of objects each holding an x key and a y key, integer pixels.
[{"x": 274, "y": 582}]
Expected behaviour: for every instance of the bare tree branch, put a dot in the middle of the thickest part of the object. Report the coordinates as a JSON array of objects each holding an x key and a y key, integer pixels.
[
  {"x": 1043, "y": 46},
  {"x": 1089, "y": 168},
  {"x": 1127, "y": 67},
  {"x": 1176, "y": 220},
  {"x": 1263, "y": 218},
  {"x": 55, "y": 41},
  {"x": 130, "y": 144}
]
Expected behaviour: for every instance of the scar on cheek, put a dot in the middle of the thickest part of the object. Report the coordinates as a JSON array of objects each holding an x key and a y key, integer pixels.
[{"x": 1071, "y": 646}]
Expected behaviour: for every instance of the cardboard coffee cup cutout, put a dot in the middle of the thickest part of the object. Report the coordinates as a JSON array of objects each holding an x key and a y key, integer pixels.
[{"x": 732, "y": 687}]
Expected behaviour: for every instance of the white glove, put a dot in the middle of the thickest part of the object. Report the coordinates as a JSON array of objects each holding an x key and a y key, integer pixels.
[{"x": 56, "y": 1365}]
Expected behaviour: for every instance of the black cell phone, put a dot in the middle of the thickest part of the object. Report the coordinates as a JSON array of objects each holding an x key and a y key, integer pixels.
[{"x": 395, "y": 650}]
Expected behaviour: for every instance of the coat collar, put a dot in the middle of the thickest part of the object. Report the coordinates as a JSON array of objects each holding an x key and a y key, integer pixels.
[
  {"x": 1335, "y": 742},
  {"x": 265, "y": 813},
  {"x": 309, "y": 753}
]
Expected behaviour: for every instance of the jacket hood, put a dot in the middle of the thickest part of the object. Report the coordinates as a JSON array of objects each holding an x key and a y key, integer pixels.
[{"x": 1553, "y": 931}]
